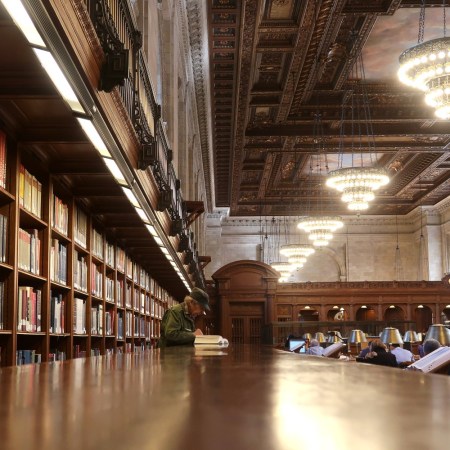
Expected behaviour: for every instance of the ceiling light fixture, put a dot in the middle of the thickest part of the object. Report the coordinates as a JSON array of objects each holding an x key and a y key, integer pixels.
[
  {"x": 297, "y": 253},
  {"x": 23, "y": 21},
  {"x": 362, "y": 178},
  {"x": 115, "y": 171},
  {"x": 426, "y": 67},
  {"x": 319, "y": 228},
  {"x": 284, "y": 269},
  {"x": 58, "y": 78},
  {"x": 94, "y": 136}
]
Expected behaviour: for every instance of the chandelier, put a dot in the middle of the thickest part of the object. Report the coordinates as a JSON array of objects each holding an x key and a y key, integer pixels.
[
  {"x": 297, "y": 253},
  {"x": 358, "y": 182},
  {"x": 284, "y": 268},
  {"x": 426, "y": 67},
  {"x": 320, "y": 229}
]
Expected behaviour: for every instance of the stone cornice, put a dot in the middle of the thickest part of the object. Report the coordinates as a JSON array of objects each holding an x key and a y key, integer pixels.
[{"x": 198, "y": 38}]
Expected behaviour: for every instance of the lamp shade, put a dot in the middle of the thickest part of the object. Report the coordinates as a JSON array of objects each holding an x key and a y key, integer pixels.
[
  {"x": 356, "y": 337},
  {"x": 411, "y": 336},
  {"x": 334, "y": 336},
  {"x": 307, "y": 336},
  {"x": 440, "y": 333},
  {"x": 320, "y": 337},
  {"x": 391, "y": 335}
]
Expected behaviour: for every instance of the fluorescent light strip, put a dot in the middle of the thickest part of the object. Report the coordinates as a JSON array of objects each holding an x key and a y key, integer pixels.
[
  {"x": 133, "y": 200},
  {"x": 59, "y": 79},
  {"x": 116, "y": 172},
  {"x": 169, "y": 257},
  {"x": 152, "y": 230},
  {"x": 142, "y": 214},
  {"x": 164, "y": 250},
  {"x": 94, "y": 137},
  {"x": 22, "y": 19},
  {"x": 174, "y": 265},
  {"x": 159, "y": 241}
]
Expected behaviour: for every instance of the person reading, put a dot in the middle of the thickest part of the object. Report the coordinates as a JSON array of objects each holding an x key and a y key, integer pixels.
[{"x": 178, "y": 323}]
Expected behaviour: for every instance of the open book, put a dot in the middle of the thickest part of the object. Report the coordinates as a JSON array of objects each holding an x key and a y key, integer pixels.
[
  {"x": 210, "y": 341},
  {"x": 433, "y": 361},
  {"x": 333, "y": 350}
]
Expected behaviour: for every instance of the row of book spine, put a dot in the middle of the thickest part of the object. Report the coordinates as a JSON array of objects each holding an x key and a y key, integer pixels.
[
  {"x": 97, "y": 319},
  {"x": 60, "y": 215},
  {"x": 57, "y": 313},
  {"x": 80, "y": 272},
  {"x": 79, "y": 316},
  {"x": 3, "y": 237},
  {"x": 2, "y": 159},
  {"x": 58, "y": 261},
  {"x": 2, "y": 305},
  {"x": 31, "y": 357},
  {"x": 29, "y": 309},
  {"x": 30, "y": 192},
  {"x": 29, "y": 257}
]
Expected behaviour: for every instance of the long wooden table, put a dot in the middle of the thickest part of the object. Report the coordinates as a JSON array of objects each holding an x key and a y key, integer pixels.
[{"x": 248, "y": 398}]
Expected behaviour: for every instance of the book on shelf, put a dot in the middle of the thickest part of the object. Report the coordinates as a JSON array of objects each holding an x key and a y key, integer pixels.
[
  {"x": 3, "y": 237},
  {"x": 433, "y": 361},
  {"x": 2, "y": 159},
  {"x": 213, "y": 341}
]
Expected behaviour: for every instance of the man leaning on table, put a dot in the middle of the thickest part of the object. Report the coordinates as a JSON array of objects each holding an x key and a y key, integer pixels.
[{"x": 177, "y": 326}]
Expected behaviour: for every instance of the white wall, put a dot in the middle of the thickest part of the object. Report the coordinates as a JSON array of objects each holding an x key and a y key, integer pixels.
[{"x": 364, "y": 250}]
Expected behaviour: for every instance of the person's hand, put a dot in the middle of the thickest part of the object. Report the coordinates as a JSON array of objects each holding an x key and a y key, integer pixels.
[{"x": 198, "y": 332}]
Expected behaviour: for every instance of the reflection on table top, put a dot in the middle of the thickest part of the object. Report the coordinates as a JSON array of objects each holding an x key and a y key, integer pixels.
[{"x": 243, "y": 398}]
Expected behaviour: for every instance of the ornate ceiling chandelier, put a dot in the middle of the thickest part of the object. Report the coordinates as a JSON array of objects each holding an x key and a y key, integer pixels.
[
  {"x": 284, "y": 268},
  {"x": 297, "y": 253},
  {"x": 357, "y": 184},
  {"x": 362, "y": 178},
  {"x": 426, "y": 66},
  {"x": 320, "y": 229}
]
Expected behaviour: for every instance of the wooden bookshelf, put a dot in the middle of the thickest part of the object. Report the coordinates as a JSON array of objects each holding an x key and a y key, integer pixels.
[{"x": 68, "y": 288}]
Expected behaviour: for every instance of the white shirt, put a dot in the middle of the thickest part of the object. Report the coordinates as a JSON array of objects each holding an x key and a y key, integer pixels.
[
  {"x": 316, "y": 350},
  {"x": 402, "y": 355}
]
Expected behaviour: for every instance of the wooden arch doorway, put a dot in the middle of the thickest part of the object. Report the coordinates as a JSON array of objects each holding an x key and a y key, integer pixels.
[{"x": 245, "y": 291}]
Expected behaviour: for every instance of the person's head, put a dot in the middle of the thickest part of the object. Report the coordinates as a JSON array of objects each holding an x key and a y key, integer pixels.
[
  {"x": 314, "y": 343},
  {"x": 197, "y": 302},
  {"x": 395, "y": 345},
  {"x": 430, "y": 345},
  {"x": 377, "y": 344}
]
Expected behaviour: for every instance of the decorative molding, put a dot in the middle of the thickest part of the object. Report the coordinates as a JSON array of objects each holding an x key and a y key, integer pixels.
[{"x": 198, "y": 39}]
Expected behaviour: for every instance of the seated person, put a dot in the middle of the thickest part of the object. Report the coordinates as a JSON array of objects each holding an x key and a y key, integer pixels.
[
  {"x": 364, "y": 351},
  {"x": 401, "y": 355},
  {"x": 286, "y": 344},
  {"x": 379, "y": 356},
  {"x": 314, "y": 348},
  {"x": 430, "y": 345}
]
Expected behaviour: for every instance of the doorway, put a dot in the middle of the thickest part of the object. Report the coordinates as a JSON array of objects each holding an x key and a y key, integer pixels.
[{"x": 246, "y": 330}]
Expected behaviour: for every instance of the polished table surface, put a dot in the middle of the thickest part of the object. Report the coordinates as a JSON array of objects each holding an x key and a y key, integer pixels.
[{"x": 248, "y": 398}]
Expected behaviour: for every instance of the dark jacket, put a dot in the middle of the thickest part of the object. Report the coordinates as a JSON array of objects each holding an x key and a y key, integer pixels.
[
  {"x": 383, "y": 358},
  {"x": 177, "y": 327}
]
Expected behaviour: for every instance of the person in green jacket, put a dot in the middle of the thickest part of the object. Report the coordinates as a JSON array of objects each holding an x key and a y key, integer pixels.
[{"x": 177, "y": 326}]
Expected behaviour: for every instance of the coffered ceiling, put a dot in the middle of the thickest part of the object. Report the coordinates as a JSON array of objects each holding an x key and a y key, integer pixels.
[{"x": 276, "y": 64}]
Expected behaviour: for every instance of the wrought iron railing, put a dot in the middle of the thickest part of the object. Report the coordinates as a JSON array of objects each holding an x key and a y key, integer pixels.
[{"x": 125, "y": 68}]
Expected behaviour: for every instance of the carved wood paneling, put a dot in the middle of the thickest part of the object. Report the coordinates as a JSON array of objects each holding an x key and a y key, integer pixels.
[{"x": 274, "y": 68}]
